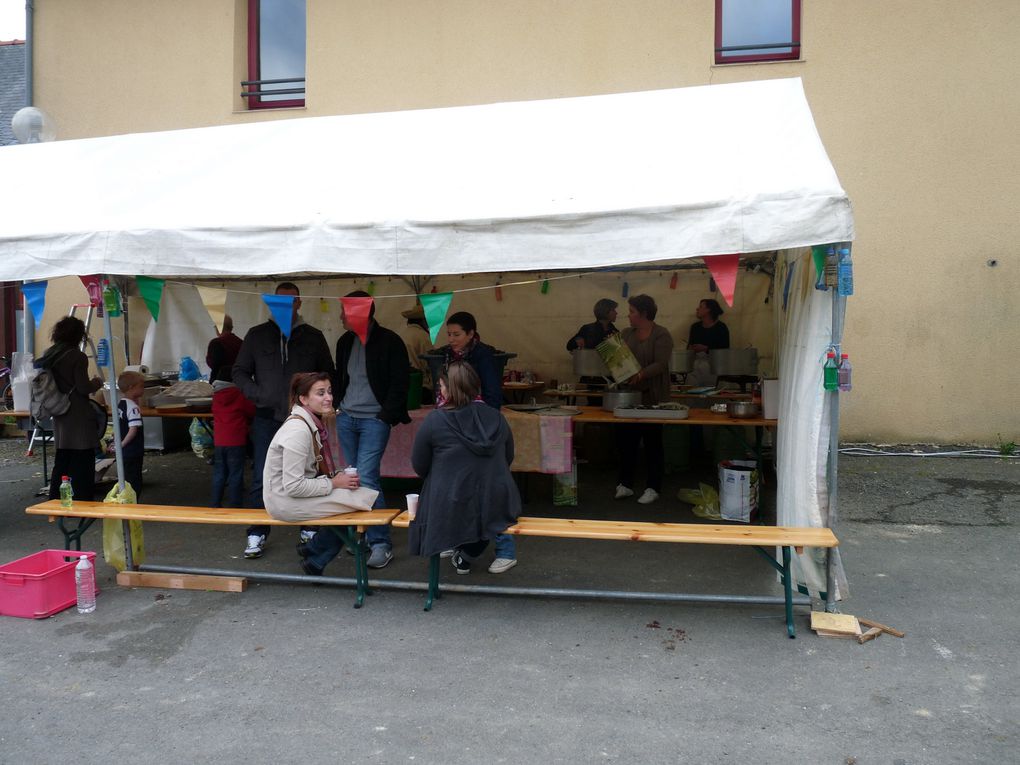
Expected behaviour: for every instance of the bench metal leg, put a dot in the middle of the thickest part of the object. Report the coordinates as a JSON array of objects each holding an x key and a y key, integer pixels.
[
  {"x": 74, "y": 535},
  {"x": 353, "y": 541},
  {"x": 788, "y": 592},
  {"x": 433, "y": 591}
]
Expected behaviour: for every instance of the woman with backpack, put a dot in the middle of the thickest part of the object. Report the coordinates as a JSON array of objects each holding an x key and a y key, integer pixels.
[{"x": 74, "y": 431}]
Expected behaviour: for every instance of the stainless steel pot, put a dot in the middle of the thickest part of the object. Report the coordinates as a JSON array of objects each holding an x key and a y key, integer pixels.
[
  {"x": 615, "y": 399},
  {"x": 734, "y": 361},
  {"x": 588, "y": 363},
  {"x": 681, "y": 361},
  {"x": 742, "y": 410}
]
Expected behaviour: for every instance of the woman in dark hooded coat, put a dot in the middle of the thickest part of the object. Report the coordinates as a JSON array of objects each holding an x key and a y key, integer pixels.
[{"x": 463, "y": 451}]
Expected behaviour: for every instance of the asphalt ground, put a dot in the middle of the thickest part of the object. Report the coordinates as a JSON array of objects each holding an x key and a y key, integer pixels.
[{"x": 292, "y": 673}]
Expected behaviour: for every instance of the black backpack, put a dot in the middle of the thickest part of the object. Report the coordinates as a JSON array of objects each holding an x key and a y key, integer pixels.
[{"x": 47, "y": 399}]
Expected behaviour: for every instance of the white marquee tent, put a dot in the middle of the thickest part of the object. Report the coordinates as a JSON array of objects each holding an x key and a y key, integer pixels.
[{"x": 544, "y": 185}]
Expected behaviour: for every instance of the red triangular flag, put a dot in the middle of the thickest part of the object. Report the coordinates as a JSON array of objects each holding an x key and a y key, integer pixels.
[
  {"x": 356, "y": 310},
  {"x": 724, "y": 270},
  {"x": 92, "y": 284}
]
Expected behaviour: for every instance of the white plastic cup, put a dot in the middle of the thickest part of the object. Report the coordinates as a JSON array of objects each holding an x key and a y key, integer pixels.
[
  {"x": 350, "y": 470},
  {"x": 412, "y": 506}
]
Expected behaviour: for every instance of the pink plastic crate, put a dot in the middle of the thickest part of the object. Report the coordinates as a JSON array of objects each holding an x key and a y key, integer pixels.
[{"x": 40, "y": 585}]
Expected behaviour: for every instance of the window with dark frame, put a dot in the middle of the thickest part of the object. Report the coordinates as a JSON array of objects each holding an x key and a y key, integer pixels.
[
  {"x": 276, "y": 54},
  {"x": 757, "y": 30}
]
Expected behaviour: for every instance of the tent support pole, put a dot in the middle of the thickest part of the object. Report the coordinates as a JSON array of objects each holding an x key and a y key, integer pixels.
[
  {"x": 838, "y": 316},
  {"x": 118, "y": 450}
]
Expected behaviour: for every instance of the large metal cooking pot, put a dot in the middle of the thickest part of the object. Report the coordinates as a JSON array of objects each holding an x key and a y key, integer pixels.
[
  {"x": 588, "y": 363},
  {"x": 681, "y": 361},
  {"x": 734, "y": 361},
  {"x": 742, "y": 410},
  {"x": 616, "y": 399}
]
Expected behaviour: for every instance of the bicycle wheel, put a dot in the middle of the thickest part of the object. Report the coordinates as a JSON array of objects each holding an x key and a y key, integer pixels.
[{"x": 7, "y": 398}]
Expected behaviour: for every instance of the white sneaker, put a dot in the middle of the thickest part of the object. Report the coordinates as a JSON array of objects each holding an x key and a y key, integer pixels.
[
  {"x": 446, "y": 554},
  {"x": 648, "y": 497},
  {"x": 306, "y": 536},
  {"x": 622, "y": 492},
  {"x": 256, "y": 544},
  {"x": 500, "y": 565}
]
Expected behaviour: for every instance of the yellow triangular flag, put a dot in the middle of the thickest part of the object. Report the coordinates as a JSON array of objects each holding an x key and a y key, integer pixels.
[{"x": 215, "y": 301}]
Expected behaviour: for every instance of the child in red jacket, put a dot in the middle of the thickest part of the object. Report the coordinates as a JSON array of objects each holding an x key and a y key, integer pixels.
[{"x": 232, "y": 415}]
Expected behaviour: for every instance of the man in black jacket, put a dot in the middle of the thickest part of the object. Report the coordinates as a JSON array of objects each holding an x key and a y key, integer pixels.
[
  {"x": 371, "y": 387},
  {"x": 266, "y": 362}
]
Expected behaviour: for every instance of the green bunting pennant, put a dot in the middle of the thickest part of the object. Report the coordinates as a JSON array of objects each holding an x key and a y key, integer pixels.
[
  {"x": 435, "y": 305},
  {"x": 151, "y": 291}
]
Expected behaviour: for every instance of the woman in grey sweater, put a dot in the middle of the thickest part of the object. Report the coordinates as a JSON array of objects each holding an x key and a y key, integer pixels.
[
  {"x": 75, "y": 431},
  {"x": 463, "y": 451}
]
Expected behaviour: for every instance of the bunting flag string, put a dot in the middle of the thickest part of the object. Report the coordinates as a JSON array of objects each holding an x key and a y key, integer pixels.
[
  {"x": 95, "y": 289},
  {"x": 215, "y": 302},
  {"x": 724, "y": 270},
  {"x": 356, "y": 316},
  {"x": 435, "y": 305},
  {"x": 281, "y": 307},
  {"x": 35, "y": 297},
  {"x": 151, "y": 291}
]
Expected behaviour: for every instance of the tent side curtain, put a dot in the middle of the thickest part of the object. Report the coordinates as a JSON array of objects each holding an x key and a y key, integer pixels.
[{"x": 542, "y": 185}]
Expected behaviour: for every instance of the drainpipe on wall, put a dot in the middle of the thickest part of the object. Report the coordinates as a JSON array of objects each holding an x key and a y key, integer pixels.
[{"x": 27, "y": 325}]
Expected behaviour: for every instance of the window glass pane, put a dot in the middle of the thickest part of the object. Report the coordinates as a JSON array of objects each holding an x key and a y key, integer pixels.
[
  {"x": 757, "y": 22},
  {"x": 281, "y": 44}
]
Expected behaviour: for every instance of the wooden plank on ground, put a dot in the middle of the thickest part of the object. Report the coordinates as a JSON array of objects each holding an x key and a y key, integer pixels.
[
  {"x": 835, "y": 625},
  {"x": 182, "y": 581}
]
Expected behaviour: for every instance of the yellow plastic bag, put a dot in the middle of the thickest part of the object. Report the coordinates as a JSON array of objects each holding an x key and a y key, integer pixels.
[
  {"x": 113, "y": 531},
  {"x": 705, "y": 500}
]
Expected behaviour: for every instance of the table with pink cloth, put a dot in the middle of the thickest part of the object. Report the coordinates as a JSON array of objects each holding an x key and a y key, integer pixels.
[{"x": 542, "y": 444}]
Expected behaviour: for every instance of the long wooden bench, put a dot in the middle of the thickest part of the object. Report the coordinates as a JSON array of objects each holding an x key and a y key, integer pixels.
[
  {"x": 350, "y": 527},
  {"x": 788, "y": 538}
]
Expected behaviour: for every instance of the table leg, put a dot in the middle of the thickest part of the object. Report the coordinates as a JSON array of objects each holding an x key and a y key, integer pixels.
[
  {"x": 433, "y": 591},
  {"x": 74, "y": 535},
  {"x": 788, "y": 592}
]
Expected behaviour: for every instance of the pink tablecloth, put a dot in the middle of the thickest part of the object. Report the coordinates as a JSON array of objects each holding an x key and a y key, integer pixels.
[{"x": 542, "y": 444}]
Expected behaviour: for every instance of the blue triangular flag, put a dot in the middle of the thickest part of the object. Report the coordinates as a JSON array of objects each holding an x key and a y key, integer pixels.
[
  {"x": 282, "y": 309},
  {"x": 35, "y": 296}
]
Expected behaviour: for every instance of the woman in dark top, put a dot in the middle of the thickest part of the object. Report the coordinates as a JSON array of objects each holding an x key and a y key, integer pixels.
[
  {"x": 592, "y": 334},
  {"x": 465, "y": 344},
  {"x": 74, "y": 432},
  {"x": 708, "y": 333},
  {"x": 463, "y": 452}
]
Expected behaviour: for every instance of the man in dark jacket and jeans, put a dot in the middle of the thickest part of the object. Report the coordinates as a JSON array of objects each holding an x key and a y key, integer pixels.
[
  {"x": 266, "y": 362},
  {"x": 371, "y": 387}
]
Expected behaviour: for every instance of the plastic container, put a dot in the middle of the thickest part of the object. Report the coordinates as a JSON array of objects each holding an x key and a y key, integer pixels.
[
  {"x": 845, "y": 374},
  {"x": 85, "y": 585},
  {"x": 41, "y": 584},
  {"x": 66, "y": 492},
  {"x": 830, "y": 374},
  {"x": 845, "y": 273}
]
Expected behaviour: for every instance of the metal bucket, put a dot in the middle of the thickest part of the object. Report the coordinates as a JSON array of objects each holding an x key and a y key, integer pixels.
[
  {"x": 681, "y": 362},
  {"x": 734, "y": 361},
  {"x": 617, "y": 399},
  {"x": 588, "y": 363}
]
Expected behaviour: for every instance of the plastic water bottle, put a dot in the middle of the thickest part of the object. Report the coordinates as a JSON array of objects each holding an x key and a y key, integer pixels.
[
  {"x": 845, "y": 370},
  {"x": 830, "y": 372},
  {"x": 66, "y": 492},
  {"x": 111, "y": 300},
  {"x": 85, "y": 585},
  {"x": 845, "y": 269},
  {"x": 103, "y": 353}
]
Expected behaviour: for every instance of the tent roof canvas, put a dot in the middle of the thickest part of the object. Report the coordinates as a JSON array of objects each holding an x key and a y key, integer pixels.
[{"x": 557, "y": 184}]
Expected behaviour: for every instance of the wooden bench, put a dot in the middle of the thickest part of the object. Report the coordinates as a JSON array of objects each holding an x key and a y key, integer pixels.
[
  {"x": 760, "y": 537},
  {"x": 350, "y": 527}
]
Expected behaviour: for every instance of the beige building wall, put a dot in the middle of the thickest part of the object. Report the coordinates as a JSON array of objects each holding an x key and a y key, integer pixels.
[{"x": 916, "y": 102}]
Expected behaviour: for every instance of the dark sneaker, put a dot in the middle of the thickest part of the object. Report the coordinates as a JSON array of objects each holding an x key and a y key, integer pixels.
[
  {"x": 460, "y": 563},
  {"x": 379, "y": 558},
  {"x": 310, "y": 568}
]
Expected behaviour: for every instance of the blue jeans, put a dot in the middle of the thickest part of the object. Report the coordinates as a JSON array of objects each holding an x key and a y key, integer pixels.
[
  {"x": 364, "y": 440},
  {"x": 228, "y": 475},
  {"x": 262, "y": 431},
  {"x": 505, "y": 547}
]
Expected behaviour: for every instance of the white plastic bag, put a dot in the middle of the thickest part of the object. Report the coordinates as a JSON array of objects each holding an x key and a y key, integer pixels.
[{"x": 738, "y": 489}]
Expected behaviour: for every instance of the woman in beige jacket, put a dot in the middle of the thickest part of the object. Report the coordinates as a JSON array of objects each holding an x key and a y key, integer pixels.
[{"x": 301, "y": 481}]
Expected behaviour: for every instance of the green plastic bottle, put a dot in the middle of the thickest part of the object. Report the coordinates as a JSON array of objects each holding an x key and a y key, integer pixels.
[
  {"x": 66, "y": 492},
  {"x": 830, "y": 372}
]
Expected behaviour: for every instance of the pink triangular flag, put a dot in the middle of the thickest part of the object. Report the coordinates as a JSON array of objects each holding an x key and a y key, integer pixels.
[
  {"x": 356, "y": 310},
  {"x": 724, "y": 270}
]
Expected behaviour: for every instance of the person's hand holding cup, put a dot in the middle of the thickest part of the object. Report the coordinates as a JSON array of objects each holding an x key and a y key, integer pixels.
[
  {"x": 347, "y": 479},
  {"x": 412, "y": 506}
]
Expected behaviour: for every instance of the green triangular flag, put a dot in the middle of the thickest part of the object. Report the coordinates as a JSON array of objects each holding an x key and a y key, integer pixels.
[
  {"x": 151, "y": 291},
  {"x": 436, "y": 304},
  {"x": 818, "y": 252}
]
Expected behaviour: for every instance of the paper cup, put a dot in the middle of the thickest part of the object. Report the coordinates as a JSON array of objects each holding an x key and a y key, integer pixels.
[
  {"x": 351, "y": 470},
  {"x": 412, "y": 506}
]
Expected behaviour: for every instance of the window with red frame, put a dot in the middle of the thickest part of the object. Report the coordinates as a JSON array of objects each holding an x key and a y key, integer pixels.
[
  {"x": 756, "y": 30},
  {"x": 276, "y": 54}
]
